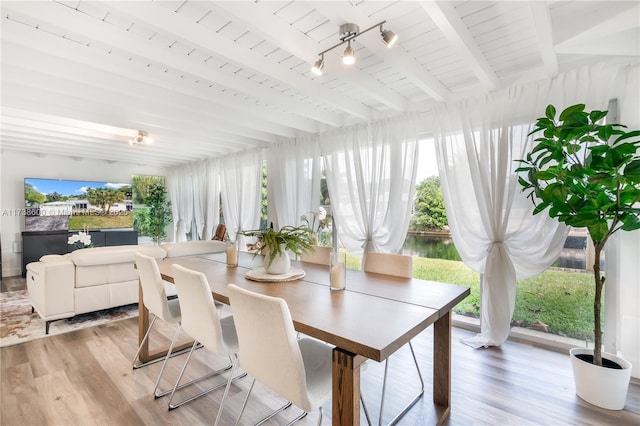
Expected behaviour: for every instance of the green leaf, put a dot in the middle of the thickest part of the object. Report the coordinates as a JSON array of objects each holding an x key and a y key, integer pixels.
[
  {"x": 631, "y": 223},
  {"x": 596, "y": 116},
  {"x": 550, "y": 112},
  {"x": 632, "y": 171},
  {"x": 629, "y": 197},
  {"x": 545, "y": 175},
  {"x": 628, "y": 148},
  {"x": 603, "y": 201},
  {"x": 604, "y": 132},
  {"x": 598, "y": 230},
  {"x": 572, "y": 148},
  {"x": 569, "y": 111},
  {"x": 540, "y": 207},
  {"x": 524, "y": 183},
  {"x": 628, "y": 135},
  {"x": 600, "y": 178}
]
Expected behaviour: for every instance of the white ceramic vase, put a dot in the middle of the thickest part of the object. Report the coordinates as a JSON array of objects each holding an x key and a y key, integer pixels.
[
  {"x": 601, "y": 386},
  {"x": 281, "y": 264}
]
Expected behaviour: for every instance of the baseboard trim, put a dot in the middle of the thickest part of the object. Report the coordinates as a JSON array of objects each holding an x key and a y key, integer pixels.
[{"x": 524, "y": 335}]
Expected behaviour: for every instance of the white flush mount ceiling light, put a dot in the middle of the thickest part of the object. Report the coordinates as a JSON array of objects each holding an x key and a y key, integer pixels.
[
  {"x": 348, "y": 33},
  {"x": 142, "y": 138}
]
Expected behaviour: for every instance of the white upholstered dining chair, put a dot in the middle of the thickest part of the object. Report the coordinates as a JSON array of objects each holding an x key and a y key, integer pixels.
[
  {"x": 201, "y": 321},
  {"x": 399, "y": 266},
  {"x": 154, "y": 298},
  {"x": 299, "y": 370}
]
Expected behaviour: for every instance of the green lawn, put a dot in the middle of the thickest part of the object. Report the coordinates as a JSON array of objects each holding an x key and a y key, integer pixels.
[
  {"x": 122, "y": 220},
  {"x": 562, "y": 300}
]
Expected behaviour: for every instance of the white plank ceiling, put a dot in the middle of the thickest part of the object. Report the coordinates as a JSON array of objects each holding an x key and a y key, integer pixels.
[{"x": 209, "y": 78}]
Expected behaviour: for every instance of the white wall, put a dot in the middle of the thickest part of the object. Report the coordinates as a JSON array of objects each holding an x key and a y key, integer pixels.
[
  {"x": 622, "y": 287},
  {"x": 15, "y": 166}
]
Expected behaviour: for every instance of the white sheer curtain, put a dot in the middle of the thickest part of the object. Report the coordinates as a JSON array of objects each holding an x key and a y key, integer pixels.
[
  {"x": 491, "y": 221},
  {"x": 180, "y": 189},
  {"x": 241, "y": 190},
  {"x": 371, "y": 171},
  {"x": 212, "y": 209},
  {"x": 293, "y": 167},
  {"x": 200, "y": 187},
  {"x": 194, "y": 190}
]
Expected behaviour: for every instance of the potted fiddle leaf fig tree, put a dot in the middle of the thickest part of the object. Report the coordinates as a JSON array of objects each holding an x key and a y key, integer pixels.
[{"x": 586, "y": 173}]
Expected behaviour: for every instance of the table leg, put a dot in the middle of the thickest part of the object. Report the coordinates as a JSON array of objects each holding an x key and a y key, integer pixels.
[
  {"x": 442, "y": 366},
  {"x": 346, "y": 388},
  {"x": 143, "y": 326}
]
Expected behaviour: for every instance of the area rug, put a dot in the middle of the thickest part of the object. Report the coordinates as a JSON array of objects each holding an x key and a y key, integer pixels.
[{"x": 19, "y": 325}]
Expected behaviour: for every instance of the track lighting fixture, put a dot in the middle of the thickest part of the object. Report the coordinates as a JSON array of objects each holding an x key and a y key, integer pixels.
[
  {"x": 142, "y": 137},
  {"x": 348, "y": 33},
  {"x": 349, "y": 56},
  {"x": 317, "y": 67},
  {"x": 389, "y": 37}
]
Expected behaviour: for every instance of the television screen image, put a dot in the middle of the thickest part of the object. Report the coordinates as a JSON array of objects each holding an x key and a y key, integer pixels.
[{"x": 53, "y": 203}]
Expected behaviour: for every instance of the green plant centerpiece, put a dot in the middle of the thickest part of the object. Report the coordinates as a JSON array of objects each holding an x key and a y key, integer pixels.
[
  {"x": 273, "y": 244},
  {"x": 587, "y": 175}
]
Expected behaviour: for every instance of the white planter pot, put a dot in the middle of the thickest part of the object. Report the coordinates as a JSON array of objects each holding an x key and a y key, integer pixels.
[
  {"x": 281, "y": 264},
  {"x": 601, "y": 386}
]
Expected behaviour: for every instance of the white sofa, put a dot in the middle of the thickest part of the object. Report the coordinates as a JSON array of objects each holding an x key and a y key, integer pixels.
[{"x": 87, "y": 280}]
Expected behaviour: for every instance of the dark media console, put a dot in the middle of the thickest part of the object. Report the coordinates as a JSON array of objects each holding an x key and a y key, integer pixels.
[{"x": 36, "y": 244}]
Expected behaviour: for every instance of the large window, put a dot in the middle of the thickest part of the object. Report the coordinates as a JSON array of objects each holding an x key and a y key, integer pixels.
[{"x": 558, "y": 301}]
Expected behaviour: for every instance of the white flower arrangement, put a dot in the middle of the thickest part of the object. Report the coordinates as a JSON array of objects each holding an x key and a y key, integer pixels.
[{"x": 81, "y": 240}]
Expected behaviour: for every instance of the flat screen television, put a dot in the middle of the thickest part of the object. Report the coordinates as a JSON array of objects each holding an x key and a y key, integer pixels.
[{"x": 58, "y": 204}]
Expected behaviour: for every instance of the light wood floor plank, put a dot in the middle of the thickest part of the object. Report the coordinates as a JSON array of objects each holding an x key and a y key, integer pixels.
[{"x": 85, "y": 377}]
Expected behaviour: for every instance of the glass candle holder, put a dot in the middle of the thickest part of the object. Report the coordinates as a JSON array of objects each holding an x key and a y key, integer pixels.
[
  {"x": 338, "y": 271},
  {"x": 232, "y": 253}
]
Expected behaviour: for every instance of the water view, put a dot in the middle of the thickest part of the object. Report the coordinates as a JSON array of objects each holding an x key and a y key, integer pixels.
[{"x": 573, "y": 256}]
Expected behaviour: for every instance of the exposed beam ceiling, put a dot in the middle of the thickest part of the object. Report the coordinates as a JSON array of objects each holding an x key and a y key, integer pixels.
[{"x": 210, "y": 78}]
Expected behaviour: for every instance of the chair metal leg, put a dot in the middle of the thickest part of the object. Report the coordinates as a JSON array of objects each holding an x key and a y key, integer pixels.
[
  {"x": 226, "y": 389},
  {"x": 284, "y": 407},
  {"x": 157, "y": 394},
  {"x": 244, "y": 403},
  {"x": 320, "y": 416},
  {"x": 178, "y": 386},
  {"x": 366, "y": 412},
  {"x": 301, "y": 416},
  {"x": 144, "y": 339},
  {"x": 412, "y": 402}
]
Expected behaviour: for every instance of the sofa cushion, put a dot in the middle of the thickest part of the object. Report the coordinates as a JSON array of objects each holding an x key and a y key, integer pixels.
[
  {"x": 89, "y": 299},
  {"x": 87, "y": 276},
  {"x": 191, "y": 248},
  {"x": 113, "y": 254},
  {"x": 50, "y": 258},
  {"x": 123, "y": 293}
]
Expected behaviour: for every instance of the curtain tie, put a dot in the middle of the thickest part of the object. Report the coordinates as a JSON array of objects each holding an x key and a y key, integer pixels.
[
  {"x": 492, "y": 244},
  {"x": 367, "y": 245}
]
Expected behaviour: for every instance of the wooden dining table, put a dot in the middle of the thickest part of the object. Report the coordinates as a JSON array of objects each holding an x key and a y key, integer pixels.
[{"x": 375, "y": 316}]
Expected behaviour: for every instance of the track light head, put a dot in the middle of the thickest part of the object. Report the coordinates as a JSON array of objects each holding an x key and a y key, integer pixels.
[
  {"x": 318, "y": 66},
  {"x": 349, "y": 56},
  {"x": 389, "y": 37},
  {"x": 142, "y": 137}
]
